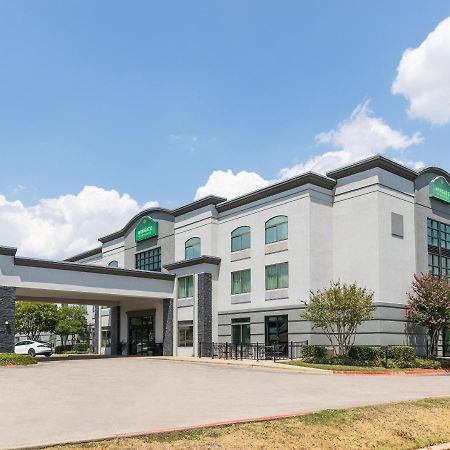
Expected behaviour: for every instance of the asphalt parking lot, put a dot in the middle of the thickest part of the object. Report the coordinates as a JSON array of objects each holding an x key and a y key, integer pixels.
[{"x": 67, "y": 400}]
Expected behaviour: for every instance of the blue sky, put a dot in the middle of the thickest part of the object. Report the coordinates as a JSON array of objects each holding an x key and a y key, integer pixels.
[{"x": 150, "y": 98}]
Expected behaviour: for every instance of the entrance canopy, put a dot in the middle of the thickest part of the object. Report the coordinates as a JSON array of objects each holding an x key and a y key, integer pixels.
[{"x": 67, "y": 282}]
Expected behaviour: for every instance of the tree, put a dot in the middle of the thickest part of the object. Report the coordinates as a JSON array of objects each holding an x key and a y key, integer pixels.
[
  {"x": 429, "y": 306},
  {"x": 71, "y": 321},
  {"x": 33, "y": 318},
  {"x": 339, "y": 310}
]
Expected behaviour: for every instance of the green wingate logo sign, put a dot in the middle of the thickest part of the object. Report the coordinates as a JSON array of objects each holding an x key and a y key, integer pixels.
[
  {"x": 440, "y": 189},
  {"x": 146, "y": 228}
]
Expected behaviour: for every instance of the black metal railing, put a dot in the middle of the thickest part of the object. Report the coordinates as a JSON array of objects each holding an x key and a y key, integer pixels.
[{"x": 256, "y": 352}]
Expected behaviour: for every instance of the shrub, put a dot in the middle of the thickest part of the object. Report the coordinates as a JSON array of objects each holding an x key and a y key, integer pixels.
[
  {"x": 80, "y": 348},
  {"x": 366, "y": 354},
  {"x": 12, "y": 359},
  {"x": 314, "y": 351},
  {"x": 402, "y": 354},
  {"x": 427, "y": 363},
  {"x": 62, "y": 348}
]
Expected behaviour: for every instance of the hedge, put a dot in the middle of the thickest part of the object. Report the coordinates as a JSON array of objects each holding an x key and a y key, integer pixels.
[
  {"x": 75, "y": 348},
  {"x": 11, "y": 359},
  {"x": 369, "y": 354},
  {"x": 314, "y": 351}
]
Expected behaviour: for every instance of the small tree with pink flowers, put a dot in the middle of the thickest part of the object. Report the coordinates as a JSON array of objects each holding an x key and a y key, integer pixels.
[{"x": 429, "y": 306}]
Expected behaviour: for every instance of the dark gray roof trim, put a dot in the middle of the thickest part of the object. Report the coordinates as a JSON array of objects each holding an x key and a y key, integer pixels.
[
  {"x": 273, "y": 189},
  {"x": 8, "y": 251},
  {"x": 42, "y": 263},
  {"x": 209, "y": 200},
  {"x": 193, "y": 262},
  {"x": 94, "y": 251},
  {"x": 371, "y": 163},
  {"x": 437, "y": 171},
  {"x": 205, "y": 201}
]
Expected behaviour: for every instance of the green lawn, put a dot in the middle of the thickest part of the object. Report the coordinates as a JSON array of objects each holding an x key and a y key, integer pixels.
[{"x": 11, "y": 359}]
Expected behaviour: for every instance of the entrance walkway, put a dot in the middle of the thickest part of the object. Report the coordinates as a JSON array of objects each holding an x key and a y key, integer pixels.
[{"x": 98, "y": 398}]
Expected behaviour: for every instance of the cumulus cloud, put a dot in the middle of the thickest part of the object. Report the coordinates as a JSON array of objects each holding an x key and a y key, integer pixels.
[
  {"x": 59, "y": 227},
  {"x": 230, "y": 185},
  {"x": 358, "y": 137},
  {"x": 423, "y": 76}
]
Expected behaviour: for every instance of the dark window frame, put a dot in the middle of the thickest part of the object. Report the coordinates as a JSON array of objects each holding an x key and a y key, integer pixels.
[
  {"x": 438, "y": 239},
  {"x": 149, "y": 260}
]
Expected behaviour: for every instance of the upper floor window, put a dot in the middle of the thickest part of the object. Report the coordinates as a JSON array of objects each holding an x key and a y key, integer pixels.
[
  {"x": 277, "y": 276},
  {"x": 240, "y": 239},
  {"x": 113, "y": 264},
  {"x": 186, "y": 287},
  {"x": 149, "y": 260},
  {"x": 192, "y": 248},
  {"x": 276, "y": 229},
  {"x": 240, "y": 282}
]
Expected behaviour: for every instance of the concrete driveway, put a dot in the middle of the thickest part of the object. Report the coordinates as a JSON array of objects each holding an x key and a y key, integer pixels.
[{"x": 85, "y": 399}]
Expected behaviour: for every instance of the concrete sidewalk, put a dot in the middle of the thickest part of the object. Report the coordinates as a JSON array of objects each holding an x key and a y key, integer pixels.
[{"x": 244, "y": 363}]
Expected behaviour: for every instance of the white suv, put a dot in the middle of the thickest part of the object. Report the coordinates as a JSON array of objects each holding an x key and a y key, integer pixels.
[{"x": 33, "y": 348}]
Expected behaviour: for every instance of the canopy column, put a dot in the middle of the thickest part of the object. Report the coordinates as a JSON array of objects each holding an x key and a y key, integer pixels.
[{"x": 7, "y": 318}]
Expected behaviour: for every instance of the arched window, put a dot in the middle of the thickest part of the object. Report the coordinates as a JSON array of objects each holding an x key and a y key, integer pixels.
[
  {"x": 192, "y": 248},
  {"x": 113, "y": 264},
  {"x": 276, "y": 229},
  {"x": 240, "y": 239}
]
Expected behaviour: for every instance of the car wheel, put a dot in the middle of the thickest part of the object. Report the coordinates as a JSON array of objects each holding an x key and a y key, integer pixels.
[
  {"x": 31, "y": 352},
  {"x": 48, "y": 355}
]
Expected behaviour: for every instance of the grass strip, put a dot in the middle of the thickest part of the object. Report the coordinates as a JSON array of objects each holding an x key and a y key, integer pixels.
[{"x": 394, "y": 426}]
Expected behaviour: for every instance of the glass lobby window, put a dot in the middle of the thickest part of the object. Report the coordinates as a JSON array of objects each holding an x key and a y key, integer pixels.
[
  {"x": 240, "y": 331},
  {"x": 240, "y": 239},
  {"x": 276, "y": 229},
  {"x": 106, "y": 336},
  {"x": 277, "y": 276},
  {"x": 192, "y": 248},
  {"x": 186, "y": 287},
  {"x": 185, "y": 333},
  {"x": 149, "y": 260},
  {"x": 240, "y": 282},
  {"x": 113, "y": 264},
  {"x": 438, "y": 234}
]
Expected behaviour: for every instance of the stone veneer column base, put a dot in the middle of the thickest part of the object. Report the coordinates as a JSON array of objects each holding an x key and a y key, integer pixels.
[
  {"x": 7, "y": 318},
  {"x": 168, "y": 327},
  {"x": 204, "y": 313}
]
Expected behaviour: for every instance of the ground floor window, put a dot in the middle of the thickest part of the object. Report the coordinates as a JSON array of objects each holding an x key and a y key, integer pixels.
[
  {"x": 276, "y": 329},
  {"x": 240, "y": 331},
  {"x": 185, "y": 333},
  {"x": 106, "y": 336}
]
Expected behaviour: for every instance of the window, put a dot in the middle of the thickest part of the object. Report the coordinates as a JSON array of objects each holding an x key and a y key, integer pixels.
[
  {"x": 240, "y": 282},
  {"x": 106, "y": 337},
  {"x": 276, "y": 229},
  {"x": 277, "y": 276},
  {"x": 186, "y": 287},
  {"x": 240, "y": 239},
  {"x": 185, "y": 333},
  {"x": 192, "y": 248},
  {"x": 149, "y": 260},
  {"x": 438, "y": 234},
  {"x": 240, "y": 331},
  {"x": 113, "y": 264}
]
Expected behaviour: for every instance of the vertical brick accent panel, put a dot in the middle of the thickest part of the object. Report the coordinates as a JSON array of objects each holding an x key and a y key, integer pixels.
[
  {"x": 204, "y": 302},
  {"x": 115, "y": 329},
  {"x": 7, "y": 314},
  {"x": 167, "y": 327}
]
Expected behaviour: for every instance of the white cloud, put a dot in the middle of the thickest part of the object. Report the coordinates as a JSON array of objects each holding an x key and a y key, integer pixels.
[
  {"x": 63, "y": 226},
  {"x": 423, "y": 76},
  {"x": 358, "y": 137},
  {"x": 230, "y": 185}
]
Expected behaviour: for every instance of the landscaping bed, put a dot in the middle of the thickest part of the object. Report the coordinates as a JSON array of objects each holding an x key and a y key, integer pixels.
[
  {"x": 11, "y": 359},
  {"x": 370, "y": 359},
  {"x": 407, "y": 425}
]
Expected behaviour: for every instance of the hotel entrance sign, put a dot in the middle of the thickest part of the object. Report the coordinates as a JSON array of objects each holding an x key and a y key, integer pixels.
[
  {"x": 146, "y": 229},
  {"x": 440, "y": 189}
]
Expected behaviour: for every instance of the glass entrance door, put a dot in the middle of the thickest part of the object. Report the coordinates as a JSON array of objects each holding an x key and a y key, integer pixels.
[
  {"x": 141, "y": 332},
  {"x": 277, "y": 332}
]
